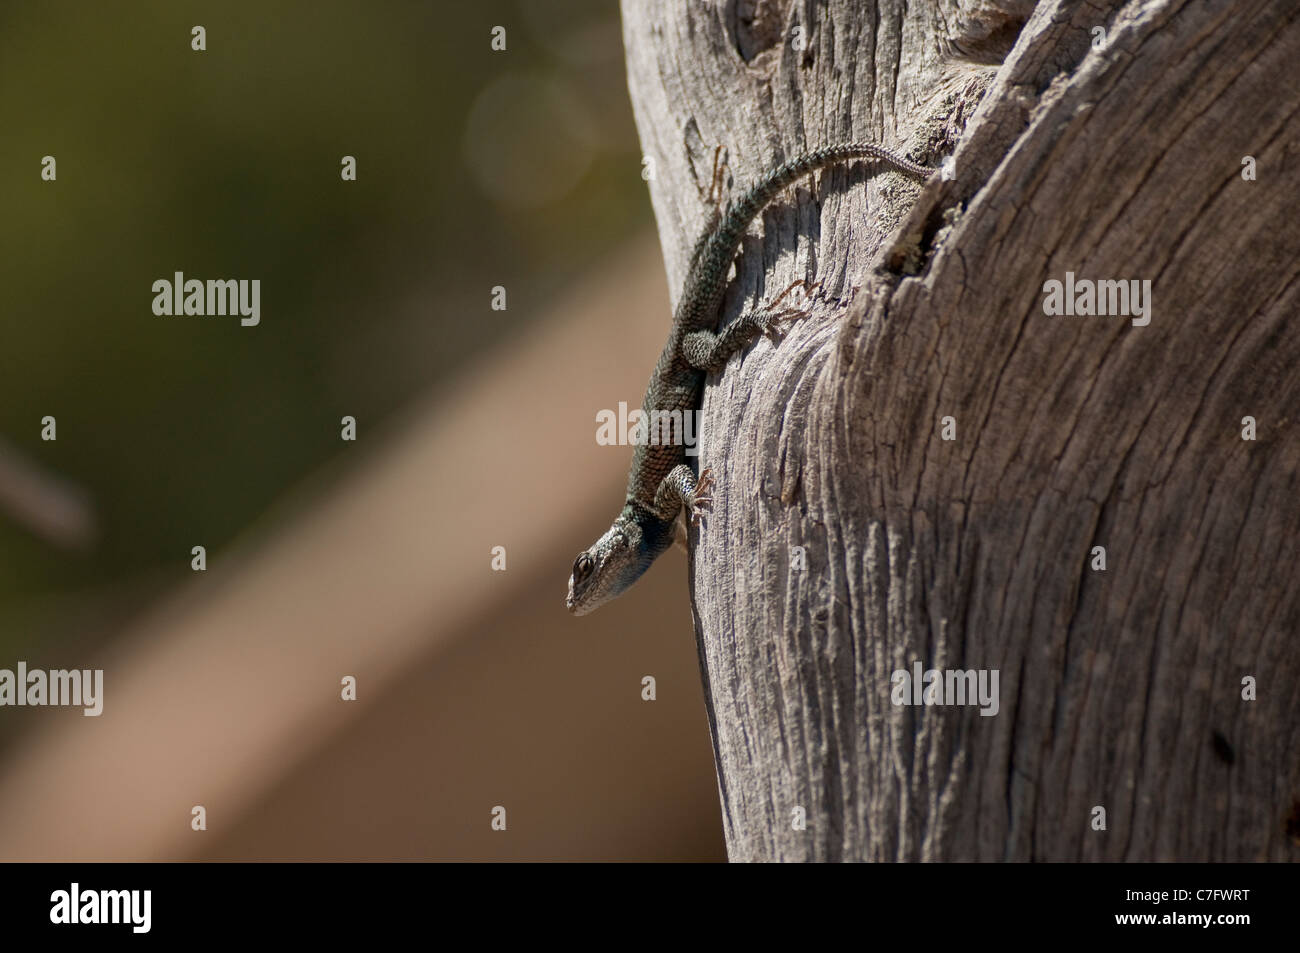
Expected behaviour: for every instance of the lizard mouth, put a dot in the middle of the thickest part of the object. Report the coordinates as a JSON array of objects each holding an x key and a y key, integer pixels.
[{"x": 576, "y": 606}]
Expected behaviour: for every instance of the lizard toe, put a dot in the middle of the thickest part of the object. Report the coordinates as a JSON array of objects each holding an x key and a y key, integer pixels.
[{"x": 702, "y": 498}]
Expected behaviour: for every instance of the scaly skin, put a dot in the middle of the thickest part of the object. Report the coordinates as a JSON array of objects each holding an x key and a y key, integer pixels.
[{"x": 661, "y": 482}]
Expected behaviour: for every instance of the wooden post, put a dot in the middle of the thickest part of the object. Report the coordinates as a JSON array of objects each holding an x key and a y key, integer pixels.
[{"x": 927, "y": 468}]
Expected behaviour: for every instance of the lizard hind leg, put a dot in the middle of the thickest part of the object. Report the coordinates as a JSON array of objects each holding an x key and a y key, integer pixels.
[
  {"x": 707, "y": 351},
  {"x": 713, "y": 198}
]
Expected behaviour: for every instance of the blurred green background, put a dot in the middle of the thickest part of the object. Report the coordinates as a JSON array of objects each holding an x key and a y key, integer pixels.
[{"x": 475, "y": 168}]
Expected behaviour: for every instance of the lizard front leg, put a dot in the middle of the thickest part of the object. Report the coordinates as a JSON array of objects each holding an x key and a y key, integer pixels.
[{"x": 681, "y": 489}]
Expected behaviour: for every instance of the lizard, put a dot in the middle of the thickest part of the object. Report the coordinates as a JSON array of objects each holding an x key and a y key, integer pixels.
[{"x": 661, "y": 484}]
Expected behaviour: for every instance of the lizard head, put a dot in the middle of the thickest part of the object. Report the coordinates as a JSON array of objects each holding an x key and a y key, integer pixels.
[{"x": 612, "y": 563}]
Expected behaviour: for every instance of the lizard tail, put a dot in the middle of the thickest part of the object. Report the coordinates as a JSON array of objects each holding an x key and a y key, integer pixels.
[
  {"x": 766, "y": 189},
  {"x": 714, "y": 253}
]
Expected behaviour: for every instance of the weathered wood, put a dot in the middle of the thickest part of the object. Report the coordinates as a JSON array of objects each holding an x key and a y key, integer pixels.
[{"x": 1122, "y": 688}]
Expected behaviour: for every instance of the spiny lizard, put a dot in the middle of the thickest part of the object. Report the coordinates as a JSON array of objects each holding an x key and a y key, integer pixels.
[{"x": 661, "y": 482}]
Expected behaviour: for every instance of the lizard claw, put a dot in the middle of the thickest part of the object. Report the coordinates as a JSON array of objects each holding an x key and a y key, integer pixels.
[
  {"x": 702, "y": 499},
  {"x": 770, "y": 322},
  {"x": 718, "y": 183},
  {"x": 808, "y": 290}
]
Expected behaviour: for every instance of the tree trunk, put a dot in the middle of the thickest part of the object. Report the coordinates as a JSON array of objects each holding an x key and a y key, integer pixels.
[{"x": 922, "y": 470}]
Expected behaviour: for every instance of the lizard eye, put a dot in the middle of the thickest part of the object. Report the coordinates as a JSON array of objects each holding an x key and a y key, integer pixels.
[{"x": 582, "y": 567}]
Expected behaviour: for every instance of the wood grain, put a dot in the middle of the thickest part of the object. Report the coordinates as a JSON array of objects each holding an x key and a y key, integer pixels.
[{"x": 1116, "y": 161}]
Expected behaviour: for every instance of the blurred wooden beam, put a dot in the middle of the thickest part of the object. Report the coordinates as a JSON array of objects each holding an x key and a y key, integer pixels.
[{"x": 219, "y": 694}]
